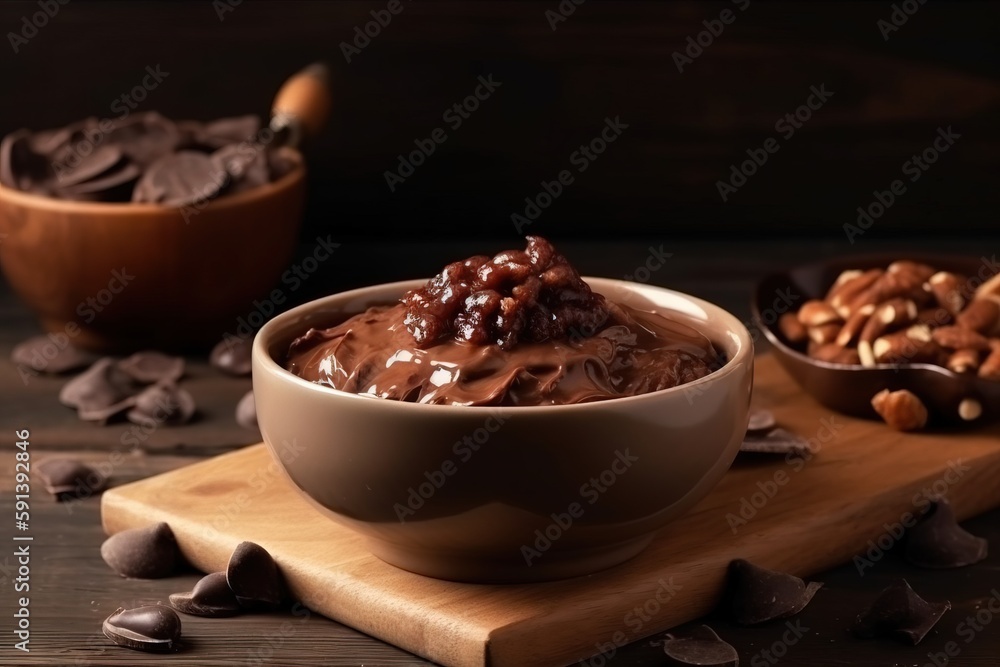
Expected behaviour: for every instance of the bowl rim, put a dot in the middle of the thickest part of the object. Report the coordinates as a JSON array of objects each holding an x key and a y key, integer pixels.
[
  {"x": 264, "y": 362},
  {"x": 128, "y": 209}
]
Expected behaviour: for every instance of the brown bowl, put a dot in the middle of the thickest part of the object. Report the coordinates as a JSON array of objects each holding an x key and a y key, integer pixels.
[
  {"x": 120, "y": 275},
  {"x": 850, "y": 388},
  {"x": 487, "y": 494}
]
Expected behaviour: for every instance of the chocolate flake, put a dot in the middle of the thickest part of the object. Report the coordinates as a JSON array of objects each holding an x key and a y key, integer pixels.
[
  {"x": 151, "y": 366},
  {"x": 700, "y": 646},
  {"x": 180, "y": 179},
  {"x": 162, "y": 403},
  {"x": 253, "y": 577},
  {"x": 938, "y": 542},
  {"x": 776, "y": 441},
  {"x": 232, "y": 355},
  {"x": 143, "y": 553},
  {"x": 246, "y": 411},
  {"x": 103, "y": 385},
  {"x": 901, "y": 613},
  {"x": 67, "y": 478},
  {"x": 760, "y": 421},
  {"x": 210, "y": 597},
  {"x": 154, "y": 628},
  {"x": 758, "y": 595},
  {"x": 45, "y": 355}
]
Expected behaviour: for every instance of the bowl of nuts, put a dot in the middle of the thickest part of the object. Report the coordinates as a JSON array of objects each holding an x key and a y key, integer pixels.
[{"x": 911, "y": 341}]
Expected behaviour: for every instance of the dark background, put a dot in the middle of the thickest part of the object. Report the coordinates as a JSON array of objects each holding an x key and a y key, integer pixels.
[{"x": 607, "y": 59}]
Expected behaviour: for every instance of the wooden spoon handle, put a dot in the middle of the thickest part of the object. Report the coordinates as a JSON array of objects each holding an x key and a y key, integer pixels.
[{"x": 304, "y": 100}]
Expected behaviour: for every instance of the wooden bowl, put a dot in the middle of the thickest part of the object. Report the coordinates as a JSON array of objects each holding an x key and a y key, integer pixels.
[
  {"x": 120, "y": 276},
  {"x": 849, "y": 388}
]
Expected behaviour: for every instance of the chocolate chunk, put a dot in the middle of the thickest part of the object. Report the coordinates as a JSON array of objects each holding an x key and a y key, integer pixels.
[
  {"x": 180, "y": 179},
  {"x": 163, "y": 403},
  {"x": 145, "y": 137},
  {"x": 938, "y": 542},
  {"x": 757, "y": 595},
  {"x": 89, "y": 166},
  {"x": 700, "y": 646},
  {"x": 901, "y": 613},
  {"x": 253, "y": 577},
  {"x": 106, "y": 185},
  {"x": 232, "y": 355},
  {"x": 100, "y": 387},
  {"x": 776, "y": 441},
  {"x": 143, "y": 553},
  {"x": 225, "y": 131},
  {"x": 67, "y": 478},
  {"x": 246, "y": 411},
  {"x": 760, "y": 421},
  {"x": 246, "y": 165},
  {"x": 20, "y": 166},
  {"x": 210, "y": 597},
  {"x": 46, "y": 354},
  {"x": 149, "y": 367},
  {"x": 153, "y": 628}
]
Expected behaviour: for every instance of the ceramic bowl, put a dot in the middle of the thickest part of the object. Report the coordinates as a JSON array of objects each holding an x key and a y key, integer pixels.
[{"x": 501, "y": 494}]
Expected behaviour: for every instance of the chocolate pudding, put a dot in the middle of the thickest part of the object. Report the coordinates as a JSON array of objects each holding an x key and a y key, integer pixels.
[{"x": 521, "y": 328}]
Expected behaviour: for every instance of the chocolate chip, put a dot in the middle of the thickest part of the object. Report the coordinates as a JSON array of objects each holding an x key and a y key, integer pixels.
[
  {"x": 180, "y": 179},
  {"x": 253, "y": 577},
  {"x": 210, "y": 597},
  {"x": 232, "y": 355},
  {"x": 776, "y": 441},
  {"x": 700, "y": 646},
  {"x": 901, "y": 613},
  {"x": 153, "y": 628},
  {"x": 149, "y": 367},
  {"x": 760, "y": 421},
  {"x": 246, "y": 411},
  {"x": 89, "y": 166},
  {"x": 45, "y": 354},
  {"x": 103, "y": 386},
  {"x": 225, "y": 131},
  {"x": 938, "y": 542},
  {"x": 143, "y": 553},
  {"x": 757, "y": 595},
  {"x": 162, "y": 403},
  {"x": 67, "y": 478}
]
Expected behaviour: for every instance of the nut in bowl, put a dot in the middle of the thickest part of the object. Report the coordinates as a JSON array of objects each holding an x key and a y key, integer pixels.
[
  {"x": 912, "y": 340},
  {"x": 498, "y": 493}
]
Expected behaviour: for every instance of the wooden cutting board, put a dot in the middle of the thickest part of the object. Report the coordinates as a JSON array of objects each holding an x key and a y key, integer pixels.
[{"x": 793, "y": 515}]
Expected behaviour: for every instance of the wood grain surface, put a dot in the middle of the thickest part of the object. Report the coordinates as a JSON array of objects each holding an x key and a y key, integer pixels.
[{"x": 800, "y": 515}]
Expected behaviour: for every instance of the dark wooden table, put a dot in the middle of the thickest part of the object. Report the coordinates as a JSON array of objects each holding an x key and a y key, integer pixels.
[{"x": 72, "y": 590}]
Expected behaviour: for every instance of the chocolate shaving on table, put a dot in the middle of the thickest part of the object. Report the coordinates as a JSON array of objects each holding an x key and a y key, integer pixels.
[
  {"x": 151, "y": 366},
  {"x": 254, "y": 578},
  {"x": 232, "y": 355},
  {"x": 757, "y": 595},
  {"x": 210, "y": 597},
  {"x": 143, "y": 553},
  {"x": 900, "y": 613},
  {"x": 760, "y": 421},
  {"x": 162, "y": 403},
  {"x": 246, "y": 411},
  {"x": 699, "y": 646},
  {"x": 102, "y": 387},
  {"x": 67, "y": 478},
  {"x": 775, "y": 441},
  {"x": 938, "y": 542},
  {"x": 153, "y": 628},
  {"x": 44, "y": 355}
]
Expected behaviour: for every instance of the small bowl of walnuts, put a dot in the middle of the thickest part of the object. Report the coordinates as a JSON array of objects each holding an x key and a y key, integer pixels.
[{"x": 912, "y": 340}]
